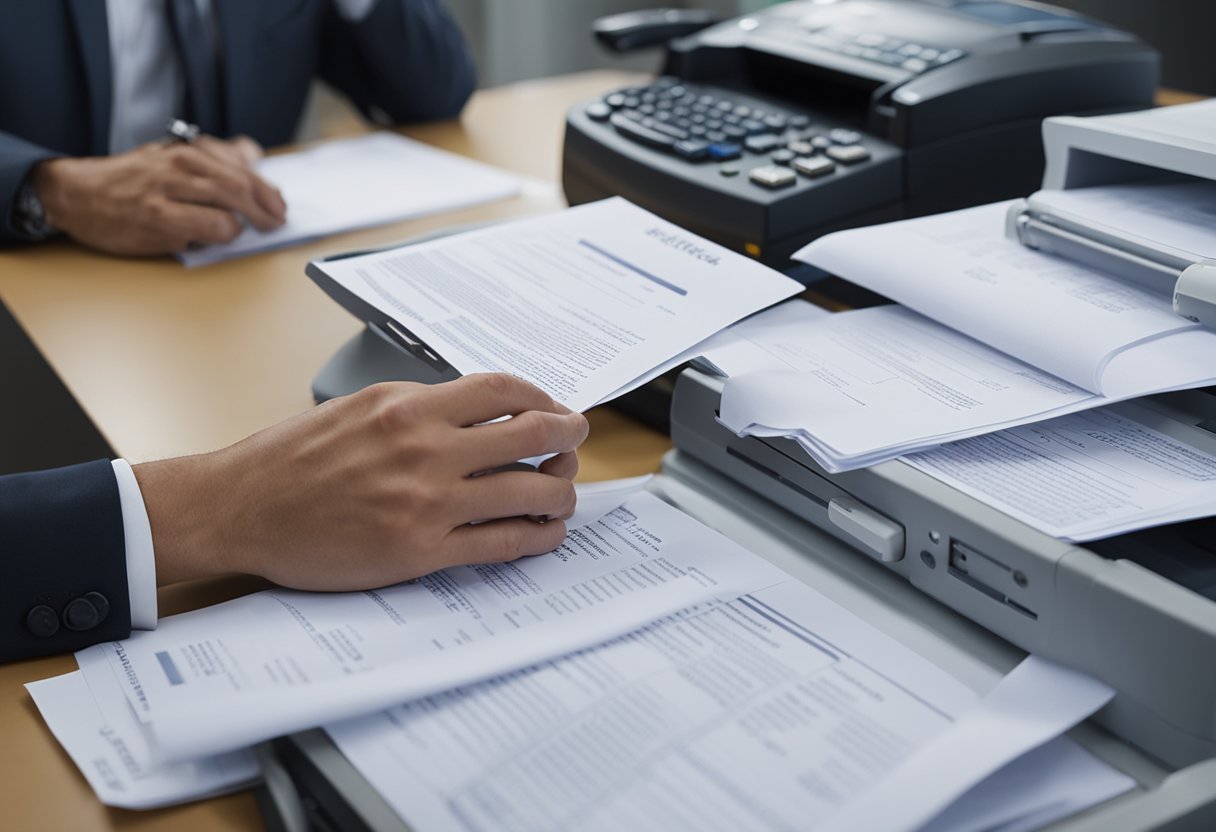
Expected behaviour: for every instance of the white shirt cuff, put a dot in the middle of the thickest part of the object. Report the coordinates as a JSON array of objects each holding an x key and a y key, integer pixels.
[
  {"x": 141, "y": 563},
  {"x": 354, "y": 10}
]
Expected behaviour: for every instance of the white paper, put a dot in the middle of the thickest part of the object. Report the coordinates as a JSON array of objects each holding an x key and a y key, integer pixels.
[
  {"x": 771, "y": 712},
  {"x": 1037, "y": 702},
  {"x": 595, "y": 499},
  {"x": 869, "y": 385},
  {"x": 959, "y": 269},
  {"x": 104, "y": 740},
  {"x": 354, "y": 183},
  {"x": 234, "y": 674},
  {"x": 1174, "y": 217},
  {"x": 1081, "y": 477},
  {"x": 1050, "y": 783},
  {"x": 581, "y": 303}
]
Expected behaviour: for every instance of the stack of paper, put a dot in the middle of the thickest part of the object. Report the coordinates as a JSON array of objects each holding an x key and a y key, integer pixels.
[
  {"x": 587, "y": 697},
  {"x": 1016, "y": 337},
  {"x": 587, "y": 304},
  {"x": 355, "y": 183},
  {"x": 1085, "y": 476}
]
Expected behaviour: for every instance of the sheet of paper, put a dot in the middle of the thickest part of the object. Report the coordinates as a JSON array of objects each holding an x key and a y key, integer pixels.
[
  {"x": 873, "y": 384},
  {"x": 581, "y": 303},
  {"x": 1037, "y": 702},
  {"x": 354, "y": 183},
  {"x": 234, "y": 674},
  {"x": 1176, "y": 217},
  {"x": 1081, "y": 477},
  {"x": 1048, "y": 784},
  {"x": 104, "y": 740},
  {"x": 959, "y": 269},
  {"x": 770, "y": 712}
]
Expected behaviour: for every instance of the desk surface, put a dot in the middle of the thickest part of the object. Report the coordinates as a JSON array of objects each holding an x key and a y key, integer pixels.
[{"x": 169, "y": 361}]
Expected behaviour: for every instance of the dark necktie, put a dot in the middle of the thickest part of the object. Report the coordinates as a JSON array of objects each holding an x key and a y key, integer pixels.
[{"x": 196, "y": 51}]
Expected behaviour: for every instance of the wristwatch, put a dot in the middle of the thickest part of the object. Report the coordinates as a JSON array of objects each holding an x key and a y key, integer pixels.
[{"x": 29, "y": 216}]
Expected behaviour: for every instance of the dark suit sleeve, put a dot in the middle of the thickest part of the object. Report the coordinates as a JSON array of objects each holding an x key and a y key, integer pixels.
[
  {"x": 64, "y": 583},
  {"x": 17, "y": 157},
  {"x": 407, "y": 59}
]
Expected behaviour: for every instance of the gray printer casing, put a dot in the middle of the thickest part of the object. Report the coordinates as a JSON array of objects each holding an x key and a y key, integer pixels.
[{"x": 1151, "y": 639}]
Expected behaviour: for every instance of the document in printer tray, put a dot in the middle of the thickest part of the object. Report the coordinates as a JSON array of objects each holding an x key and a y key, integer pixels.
[{"x": 1004, "y": 337}]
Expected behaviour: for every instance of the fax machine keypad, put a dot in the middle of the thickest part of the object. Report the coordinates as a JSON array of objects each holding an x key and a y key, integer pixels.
[{"x": 701, "y": 126}]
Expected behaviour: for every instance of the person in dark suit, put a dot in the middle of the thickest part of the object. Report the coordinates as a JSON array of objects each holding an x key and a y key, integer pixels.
[
  {"x": 88, "y": 86},
  {"x": 364, "y": 491}
]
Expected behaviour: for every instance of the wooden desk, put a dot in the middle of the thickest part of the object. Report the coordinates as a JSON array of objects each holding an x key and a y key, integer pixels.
[{"x": 169, "y": 361}]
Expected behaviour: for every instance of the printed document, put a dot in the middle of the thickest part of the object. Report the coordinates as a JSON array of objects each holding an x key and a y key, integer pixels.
[
  {"x": 228, "y": 676},
  {"x": 370, "y": 180},
  {"x": 862, "y": 387},
  {"x": 1085, "y": 476},
  {"x": 585, "y": 303},
  {"x": 777, "y": 711},
  {"x": 960, "y": 270}
]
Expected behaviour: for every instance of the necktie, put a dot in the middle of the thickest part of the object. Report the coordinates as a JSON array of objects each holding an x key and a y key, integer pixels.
[{"x": 196, "y": 50}]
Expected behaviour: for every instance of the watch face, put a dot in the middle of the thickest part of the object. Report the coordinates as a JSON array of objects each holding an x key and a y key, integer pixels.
[{"x": 30, "y": 216}]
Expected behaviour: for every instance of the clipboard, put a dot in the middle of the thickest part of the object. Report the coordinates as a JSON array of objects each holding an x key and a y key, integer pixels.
[{"x": 385, "y": 350}]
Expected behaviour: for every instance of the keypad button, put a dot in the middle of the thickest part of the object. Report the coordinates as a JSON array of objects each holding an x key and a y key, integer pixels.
[
  {"x": 724, "y": 151},
  {"x": 693, "y": 149},
  {"x": 801, "y": 148},
  {"x": 753, "y": 127},
  {"x": 782, "y": 157},
  {"x": 729, "y": 170},
  {"x": 639, "y": 133},
  {"x": 841, "y": 135},
  {"x": 799, "y": 122},
  {"x": 762, "y": 143},
  {"x": 772, "y": 176},
  {"x": 715, "y": 136},
  {"x": 775, "y": 123},
  {"x": 598, "y": 111},
  {"x": 615, "y": 100},
  {"x": 814, "y": 166},
  {"x": 914, "y": 65},
  {"x": 821, "y": 142},
  {"x": 734, "y": 132},
  {"x": 849, "y": 154}
]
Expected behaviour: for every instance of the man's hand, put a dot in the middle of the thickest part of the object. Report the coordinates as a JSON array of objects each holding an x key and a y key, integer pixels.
[
  {"x": 159, "y": 198},
  {"x": 372, "y": 489}
]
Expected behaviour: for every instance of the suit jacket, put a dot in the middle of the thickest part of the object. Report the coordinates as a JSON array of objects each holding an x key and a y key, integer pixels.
[
  {"x": 406, "y": 61},
  {"x": 64, "y": 561}
]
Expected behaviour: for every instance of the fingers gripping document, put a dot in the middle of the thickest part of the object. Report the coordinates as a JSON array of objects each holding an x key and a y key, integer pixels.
[{"x": 585, "y": 303}]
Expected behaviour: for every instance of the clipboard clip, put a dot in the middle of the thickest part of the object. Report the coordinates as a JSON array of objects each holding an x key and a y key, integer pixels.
[{"x": 392, "y": 331}]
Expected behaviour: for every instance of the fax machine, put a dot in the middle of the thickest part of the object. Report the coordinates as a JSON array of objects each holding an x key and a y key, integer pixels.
[{"x": 769, "y": 130}]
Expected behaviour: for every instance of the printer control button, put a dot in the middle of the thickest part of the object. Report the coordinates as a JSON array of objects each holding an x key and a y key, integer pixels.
[
  {"x": 771, "y": 176},
  {"x": 876, "y": 532},
  {"x": 849, "y": 154},
  {"x": 814, "y": 166},
  {"x": 598, "y": 111}
]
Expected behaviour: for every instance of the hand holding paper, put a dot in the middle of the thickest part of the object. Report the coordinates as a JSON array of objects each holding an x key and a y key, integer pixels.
[{"x": 372, "y": 489}]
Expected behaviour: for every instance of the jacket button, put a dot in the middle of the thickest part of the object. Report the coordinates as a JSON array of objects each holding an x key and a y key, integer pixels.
[
  {"x": 42, "y": 621},
  {"x": 100, "y": 603},
  {"x": 79, "y": 614}
]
